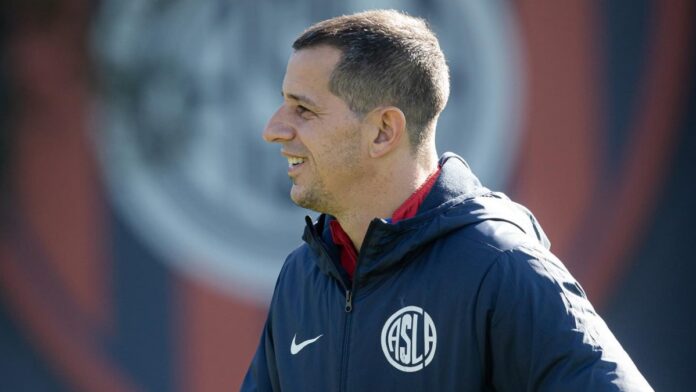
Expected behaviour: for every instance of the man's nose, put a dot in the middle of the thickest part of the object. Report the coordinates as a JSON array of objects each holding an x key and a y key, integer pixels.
[{"x": 278, "y": 130}]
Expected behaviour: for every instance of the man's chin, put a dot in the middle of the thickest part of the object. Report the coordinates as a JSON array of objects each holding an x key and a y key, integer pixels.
[
  {"x": 297, "y": 197},
  {"x": 308, "y": 200}
]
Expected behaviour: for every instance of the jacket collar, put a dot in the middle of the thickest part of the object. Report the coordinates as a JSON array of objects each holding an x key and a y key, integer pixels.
[{"x": 457, "y": 199}]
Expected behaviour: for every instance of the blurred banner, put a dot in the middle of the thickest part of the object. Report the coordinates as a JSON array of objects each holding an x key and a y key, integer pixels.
[{"x": 143, "y": 220}]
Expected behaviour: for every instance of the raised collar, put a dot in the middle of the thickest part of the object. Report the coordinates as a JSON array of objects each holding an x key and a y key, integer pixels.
[
  {"x": 386, "y": 244},
  {"x": 407, "y": 209}
]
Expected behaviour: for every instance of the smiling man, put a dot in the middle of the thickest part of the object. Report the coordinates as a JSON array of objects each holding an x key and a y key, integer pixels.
[
  {"x": 415, "y": 277},
  {"x": 320, "y": 135}
]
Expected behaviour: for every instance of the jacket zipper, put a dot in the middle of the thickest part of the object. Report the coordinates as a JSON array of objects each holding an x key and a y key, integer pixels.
[
  {"x": 349, "y": 289},
  {"x": 348, "y": 308},
  {"x": 350, "y": 293},
  {"x": 343, "y": 378},
  {"x": 349, "y": 301}
]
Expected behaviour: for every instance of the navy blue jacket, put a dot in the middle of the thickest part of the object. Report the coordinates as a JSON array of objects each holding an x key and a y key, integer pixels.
[{"x": 465, "y": 296}]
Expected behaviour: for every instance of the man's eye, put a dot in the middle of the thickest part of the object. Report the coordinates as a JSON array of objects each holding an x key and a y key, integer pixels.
[{"x": 302, "y": 111}]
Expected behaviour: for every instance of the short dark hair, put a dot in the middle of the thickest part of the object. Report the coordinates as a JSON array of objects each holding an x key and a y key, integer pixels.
[{"x": 388, "y": 58}]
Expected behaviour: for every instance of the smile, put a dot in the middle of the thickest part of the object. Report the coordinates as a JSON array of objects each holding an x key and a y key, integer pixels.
[{"x": 293, "y": 161}]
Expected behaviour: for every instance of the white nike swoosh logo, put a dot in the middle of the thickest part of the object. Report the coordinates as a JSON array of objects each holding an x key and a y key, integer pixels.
[{"x": 296, "y": 348}]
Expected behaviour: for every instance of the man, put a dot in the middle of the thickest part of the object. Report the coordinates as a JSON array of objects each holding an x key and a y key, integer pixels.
[{"x": 415, "y": 277}]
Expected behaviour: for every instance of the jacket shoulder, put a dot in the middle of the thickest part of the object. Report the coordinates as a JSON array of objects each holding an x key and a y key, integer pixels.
[{"x": 494, "y": 237}]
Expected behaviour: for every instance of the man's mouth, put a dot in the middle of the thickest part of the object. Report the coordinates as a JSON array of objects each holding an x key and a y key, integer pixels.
[{"x": 293, "y": 161}]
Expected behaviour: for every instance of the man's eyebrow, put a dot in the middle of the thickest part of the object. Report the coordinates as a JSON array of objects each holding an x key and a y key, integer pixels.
[{"x": 299, "y": 98}]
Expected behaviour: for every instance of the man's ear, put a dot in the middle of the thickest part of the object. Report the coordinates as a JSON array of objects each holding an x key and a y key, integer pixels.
[{"x": 389, "y": 130}]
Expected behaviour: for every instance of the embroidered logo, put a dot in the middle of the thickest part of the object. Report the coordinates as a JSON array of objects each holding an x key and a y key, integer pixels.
[
  {"x": 409, "y": 339},
  {"x": 296, "y": 348}
]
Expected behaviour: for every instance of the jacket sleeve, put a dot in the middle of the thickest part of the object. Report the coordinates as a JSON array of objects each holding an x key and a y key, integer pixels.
[
  {"x": 262, "y": 375},
  {"x": 543, "y": 333}
]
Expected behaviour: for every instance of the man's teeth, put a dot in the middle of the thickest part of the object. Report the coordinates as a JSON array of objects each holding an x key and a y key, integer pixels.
[{"x": 295, "y": 161}]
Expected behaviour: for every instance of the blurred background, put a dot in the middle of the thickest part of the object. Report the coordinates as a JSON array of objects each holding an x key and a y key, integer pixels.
[{"x": 143, "y": 221}]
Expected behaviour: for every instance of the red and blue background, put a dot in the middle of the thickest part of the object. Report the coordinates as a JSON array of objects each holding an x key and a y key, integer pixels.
[{"x": 95, "y": 296}]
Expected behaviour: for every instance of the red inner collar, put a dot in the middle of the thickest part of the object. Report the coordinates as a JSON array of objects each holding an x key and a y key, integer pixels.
[{"x": 408, "y": 209}]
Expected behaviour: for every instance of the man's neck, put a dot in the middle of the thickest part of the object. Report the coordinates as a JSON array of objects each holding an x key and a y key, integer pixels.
[{"x": 387, "y": 190}]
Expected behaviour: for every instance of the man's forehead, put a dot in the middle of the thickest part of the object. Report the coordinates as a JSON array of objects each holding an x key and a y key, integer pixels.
[
  {"x": 318, "y": 55},
  {"x": 312, "y": 64},
  {"x": 308, "y": 74}
]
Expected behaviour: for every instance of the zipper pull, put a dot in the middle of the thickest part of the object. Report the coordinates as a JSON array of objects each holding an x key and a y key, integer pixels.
[{"x": 349, "y": 301}]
